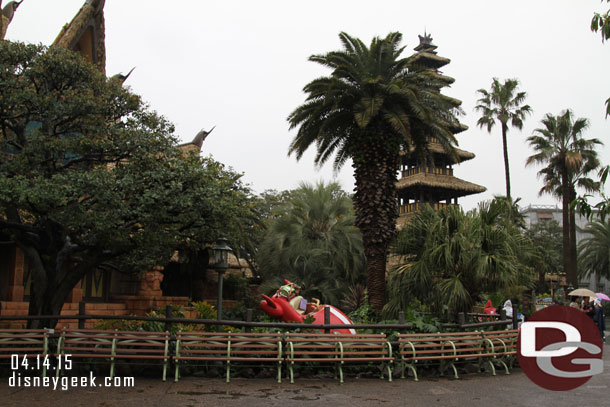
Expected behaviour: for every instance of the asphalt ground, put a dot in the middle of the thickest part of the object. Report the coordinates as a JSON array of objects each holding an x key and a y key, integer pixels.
[{"x": 472, "y": 389}]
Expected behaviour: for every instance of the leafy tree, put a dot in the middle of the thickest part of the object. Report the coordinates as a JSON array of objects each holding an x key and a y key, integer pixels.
[
  {"x": 546, "y": 237},
  {"x": 601, "y": 23},
  {"x": 602, "y": 208},
  {"x": 91, "y": 179},
  {"x": 503, "y": 103},
  {"x": 314, "y": 243},
  {"x": 594, "y": 251},
  {"x": 372, "y": 105},
  {"x": 450, "y": 257},
  {"x": 568, "y": 158}
]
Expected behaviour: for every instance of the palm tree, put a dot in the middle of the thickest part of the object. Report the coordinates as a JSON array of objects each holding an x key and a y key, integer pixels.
[
  {"x": 568, "y": 158},
  {"x": 594, "y": 251},
  {"x": 313, "y": 242},
  {"x": 370, "y": 107},
  {"x": 504, "y": 104},
  {"x": 450, "y": 257}
]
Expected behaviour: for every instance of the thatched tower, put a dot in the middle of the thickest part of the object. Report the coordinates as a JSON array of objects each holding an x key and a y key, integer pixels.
[{"x": 433, "y": 182}]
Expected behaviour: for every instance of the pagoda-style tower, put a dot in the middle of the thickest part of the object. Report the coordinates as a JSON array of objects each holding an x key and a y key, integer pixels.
[{"x": 432, "y": 182}]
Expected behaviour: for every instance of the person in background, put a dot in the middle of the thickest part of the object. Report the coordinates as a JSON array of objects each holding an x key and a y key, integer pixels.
[
  {"x": 508, "y": 308},
  {"x": 587, "y": 307},
  {"x": 599, "y": 318},
  {"x": 574, "y": 303}
]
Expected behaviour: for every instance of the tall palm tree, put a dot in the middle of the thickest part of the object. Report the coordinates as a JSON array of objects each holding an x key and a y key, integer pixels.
[
  {"x": 594, "y": 251},
  {"x": 313, "y": 242},
  {"x": 503, "y": 103},
  {"x": 367, "y": 109},
  {"x": 568, "y": 158}
]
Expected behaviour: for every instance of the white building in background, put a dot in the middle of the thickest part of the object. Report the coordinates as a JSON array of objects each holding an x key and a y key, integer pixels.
[{"x": 543, "y": 213}]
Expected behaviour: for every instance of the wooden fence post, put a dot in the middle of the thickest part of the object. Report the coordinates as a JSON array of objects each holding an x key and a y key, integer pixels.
[
  {"x": 248, "y": 329},
  {"x": 81, "y": 312},
  {"x": 461, "y": 319},
  {"x": 401, "y": 317},
  {"x": 515, "y": 319},
  {"x": 168, "y": 315},
  {"x": 326, "y": 318}
]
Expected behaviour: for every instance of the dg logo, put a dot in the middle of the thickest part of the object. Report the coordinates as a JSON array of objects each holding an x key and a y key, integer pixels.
[{"x": 560, "y": 348}]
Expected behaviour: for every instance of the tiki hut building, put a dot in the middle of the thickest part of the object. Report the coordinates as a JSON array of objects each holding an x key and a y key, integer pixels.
[{"x": 432, "y": 182}]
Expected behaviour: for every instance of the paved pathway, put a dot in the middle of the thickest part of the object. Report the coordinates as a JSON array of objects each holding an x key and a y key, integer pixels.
[{"x": 471, "y": 390}]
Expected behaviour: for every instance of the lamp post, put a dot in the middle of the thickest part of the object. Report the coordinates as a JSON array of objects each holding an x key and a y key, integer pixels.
[{"x": 221, "y": 251}]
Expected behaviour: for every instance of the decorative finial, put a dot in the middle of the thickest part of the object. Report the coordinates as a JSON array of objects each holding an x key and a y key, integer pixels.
[
  {"x": 198, "y": 140},
  {"x": 426, "y": 39}
]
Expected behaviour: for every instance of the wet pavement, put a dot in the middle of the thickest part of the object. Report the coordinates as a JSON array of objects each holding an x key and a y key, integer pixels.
[{"x": 473, "y": 389}]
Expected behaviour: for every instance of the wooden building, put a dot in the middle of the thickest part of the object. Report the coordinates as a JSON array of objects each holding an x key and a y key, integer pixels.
[{"x": 432, "y": 182}]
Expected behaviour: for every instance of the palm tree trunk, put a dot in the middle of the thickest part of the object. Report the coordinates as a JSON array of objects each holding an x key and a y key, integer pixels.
[
  {"x": 567, "y": 261},
  {"x": 573, "y": 255},
  {"x": 376, "y": 210},
  {"x": 506, "y": 169}
]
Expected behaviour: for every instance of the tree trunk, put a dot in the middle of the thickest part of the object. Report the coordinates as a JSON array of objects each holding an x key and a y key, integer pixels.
[
  {"x": 376, "y": 210},
  {"x": 565, "y": 210},
  {"x": 573, "y": 255},
  {"x": 49, "y": 289},
  {"x": 506, "y": 168}
]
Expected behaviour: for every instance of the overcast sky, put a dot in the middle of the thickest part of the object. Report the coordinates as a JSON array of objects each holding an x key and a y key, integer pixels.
[{"x": 241, "y": 66}]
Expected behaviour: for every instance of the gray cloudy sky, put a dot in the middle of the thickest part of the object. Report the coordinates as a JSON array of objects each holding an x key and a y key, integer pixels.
[{"x": 241, "y": 65}]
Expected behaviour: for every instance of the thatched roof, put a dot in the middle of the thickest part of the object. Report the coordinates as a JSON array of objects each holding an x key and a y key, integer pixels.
[
  {"x": 447, "y": 79},
  {"x": 436, "y": 148},
  {"x": 428, "y": 59},
  {"x": 447, "y": 182},
  {"x": 86, "y": 30}
]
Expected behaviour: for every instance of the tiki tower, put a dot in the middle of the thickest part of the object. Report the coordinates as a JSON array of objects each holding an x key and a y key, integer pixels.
[{"x": 433, "y": 182}]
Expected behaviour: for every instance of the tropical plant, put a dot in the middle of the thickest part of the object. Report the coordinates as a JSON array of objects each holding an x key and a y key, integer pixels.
[
  {"x": 372, "y": 105},
  {"x": 314, "y": 244},
  {"x": 547, "y": 246},
  {"x": 600, "y": 209},
  {"x": 569, "y": 158},
  {"x": 449, "y": 258},
  {"x": 601, "y": 22},
  {"x": 503, "y": 103},
  {"x": 594, "y": 250}
]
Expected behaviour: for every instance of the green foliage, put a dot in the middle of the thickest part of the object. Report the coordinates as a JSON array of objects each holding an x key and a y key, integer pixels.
[
  {"x": 601, "y": 22},
  {"x": 547, "y": 245},
  {"x": 602, "y": 208},
  {"x": 91, "y": 178},
  {"x": 159, "y": 326},
  {"x": 365, "y": 314},
  {"x": 313, "y": 243},
  {"x": 594, "y": 250},
  {"x": 449, "y": 258},
  {"x": 118, "y": 324},
  {"x": 354, "y": 298},
  {"x": 205, "y": 310}
]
